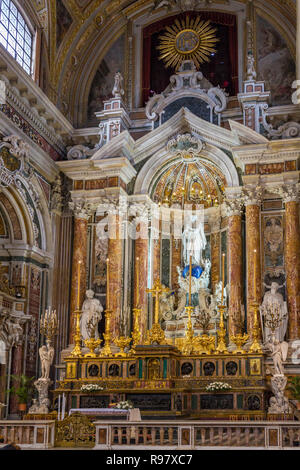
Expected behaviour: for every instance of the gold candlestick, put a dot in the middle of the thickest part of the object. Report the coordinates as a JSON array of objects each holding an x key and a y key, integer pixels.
[
  {"x": 136, "y": 334},
  {"x": 137, "y": 283},
  {"x": 156, "y": 334},
  {"x": 107, "y": 284},
  {"x": 78, "y": 288},
  {"x": 106, "y": 350},
  {"x": 221, "y": 348},
  {"x": 255, "y": 346},
  {"x": 77, "y": 337}
]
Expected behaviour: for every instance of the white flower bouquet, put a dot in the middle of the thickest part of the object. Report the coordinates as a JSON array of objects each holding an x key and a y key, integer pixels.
[
  {"x": 91, "y": 388},
  {"x": 124, "y": 405},
  {"x": 217, "y": 386}
]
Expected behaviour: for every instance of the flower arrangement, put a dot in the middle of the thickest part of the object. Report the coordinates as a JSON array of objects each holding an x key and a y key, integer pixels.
[
  {"x": 217, "y": 386},
  {"x": 124, "y": 405},
  {"x": 90, "y": 388}
]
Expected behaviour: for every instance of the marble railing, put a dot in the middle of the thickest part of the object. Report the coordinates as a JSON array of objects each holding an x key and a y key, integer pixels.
[
  {"x": 28, "y": 434},
  {"x": 195, "y": 435}
]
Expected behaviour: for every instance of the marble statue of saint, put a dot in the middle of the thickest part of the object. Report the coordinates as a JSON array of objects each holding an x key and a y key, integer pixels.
[
  {"x": 118, "y": 90},
  {"x": 273, "y": 303},
  {"x": 251, "y": 73},
  {"x": 279, "y": 352},
  {"x": 46, "y": 355},
  {"x": 91, "y": 312},
  {"x": 194, "y": 241}
]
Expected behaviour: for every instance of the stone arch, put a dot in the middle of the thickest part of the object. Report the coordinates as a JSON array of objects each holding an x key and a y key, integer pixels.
[{"x": 160, "y": 159}]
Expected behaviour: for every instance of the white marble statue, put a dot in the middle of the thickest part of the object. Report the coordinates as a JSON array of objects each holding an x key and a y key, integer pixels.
[
  {"x": 273, "y": 303},
  {"x": 91, "y": 311},
  {"x": 194, "y": 241},
  {"x": 251, "y": 72},
  {"x": 279, "y": 403},
  {"x": 46, "y": 355},
  {"x": 118, "y": 90},
  {"x": 278, "y": 352}
]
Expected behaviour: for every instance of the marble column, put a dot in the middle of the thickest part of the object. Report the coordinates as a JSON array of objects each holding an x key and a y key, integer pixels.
[
  {"x": 115, "y": 256},
  {"x": 141, "y": 253},
  {"x": 290, "y": 196},
  {"x": 16, "y": 369},
  {"x": 215, "y": 249},
  {"x": 79, "y": 255},
  {"x": 235, "y": 265},
  {"x": 252, "y": 201}
]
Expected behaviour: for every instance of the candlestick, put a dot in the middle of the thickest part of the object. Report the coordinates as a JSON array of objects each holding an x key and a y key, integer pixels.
[
  {"x": 190, "y": 282},
  {"x": 137, "y": 282},
  {"x": 78, "y": 289},
  {"x": 107, "y": 284},
  {"x": 254, "y": 276},
  {"x": 223, "y": 276}
]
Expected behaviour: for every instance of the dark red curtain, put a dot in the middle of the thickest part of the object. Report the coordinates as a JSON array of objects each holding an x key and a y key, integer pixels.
[{"x": 215, "y": 17}]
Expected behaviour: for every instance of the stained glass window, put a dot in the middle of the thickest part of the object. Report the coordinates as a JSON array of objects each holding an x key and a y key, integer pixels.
[{"x": 15, "y": 35}]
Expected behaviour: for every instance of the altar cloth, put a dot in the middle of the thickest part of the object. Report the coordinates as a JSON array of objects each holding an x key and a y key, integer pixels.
[{"x": 133, "y": 414}]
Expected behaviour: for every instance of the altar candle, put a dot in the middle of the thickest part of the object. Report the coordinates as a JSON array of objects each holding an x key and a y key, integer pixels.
[
  {"x": 78, "y": 289},
  {"x": 254, "y": 276},
  {"x": 137, "y": 283},
  {"x": 223, "y": 276},
  {"x": 190, "y": 282},
  {"x": 107, "y": 284}
]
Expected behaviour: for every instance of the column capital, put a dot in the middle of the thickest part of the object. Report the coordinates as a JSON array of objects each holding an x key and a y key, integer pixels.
[
  {"x": 288, "y": 192},
  {"x": 80, "y": 208},
  {"x": 253, "y": 195},
  {"x": 233, "y": 206}
]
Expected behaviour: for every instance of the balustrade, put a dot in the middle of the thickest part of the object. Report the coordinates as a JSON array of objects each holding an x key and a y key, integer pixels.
[{"x": 28, "y": 434}]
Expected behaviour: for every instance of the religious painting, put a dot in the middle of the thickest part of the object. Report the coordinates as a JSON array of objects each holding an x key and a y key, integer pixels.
[
  {"x": 103, "y": 82},
  {"x": 255, "y": 366},
  {"x": 275, "y": 63},
  {"x": 273, "y": 240},
  {"x": 99, "y": 266},
  {"x": 63, "y": 21}
]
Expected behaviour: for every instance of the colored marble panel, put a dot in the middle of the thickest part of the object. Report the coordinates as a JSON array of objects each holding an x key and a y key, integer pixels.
[{"x": 215, "y": 241}]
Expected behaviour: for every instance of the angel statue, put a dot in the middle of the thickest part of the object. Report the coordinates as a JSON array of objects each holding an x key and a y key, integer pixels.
[
  {"x": 46, "y": 355},
  {"x": 194, "y": 241},
  {"x": 279, "y": 352},
  {"x": 166, "y": 305}
]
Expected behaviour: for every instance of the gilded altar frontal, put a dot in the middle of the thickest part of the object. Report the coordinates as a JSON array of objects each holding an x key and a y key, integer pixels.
[{"x": 149, "y": 226}]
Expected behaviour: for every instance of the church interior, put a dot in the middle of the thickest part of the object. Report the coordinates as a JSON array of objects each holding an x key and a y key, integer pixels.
[{"x": 149, "y": 224}]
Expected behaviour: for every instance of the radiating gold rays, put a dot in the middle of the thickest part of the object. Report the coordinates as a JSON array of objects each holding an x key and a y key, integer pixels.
[{"x": 187, "y": 39}]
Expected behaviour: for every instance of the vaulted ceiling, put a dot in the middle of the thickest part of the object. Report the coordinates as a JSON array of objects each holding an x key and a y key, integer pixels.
[{"x": 78, "y": 33}]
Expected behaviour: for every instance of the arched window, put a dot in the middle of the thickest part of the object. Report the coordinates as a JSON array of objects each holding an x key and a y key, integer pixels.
[{"x": 15, "y": 35}]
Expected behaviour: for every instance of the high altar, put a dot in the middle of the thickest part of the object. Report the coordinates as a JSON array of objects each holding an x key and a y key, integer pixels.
[{"x": 131, "y": 201}]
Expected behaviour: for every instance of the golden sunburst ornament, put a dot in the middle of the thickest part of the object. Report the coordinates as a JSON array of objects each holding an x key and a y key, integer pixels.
[{"x": 188, "y": 39}]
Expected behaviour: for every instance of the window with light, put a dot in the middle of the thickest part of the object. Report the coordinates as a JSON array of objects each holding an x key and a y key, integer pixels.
[{"x": 15, "y": 35}]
